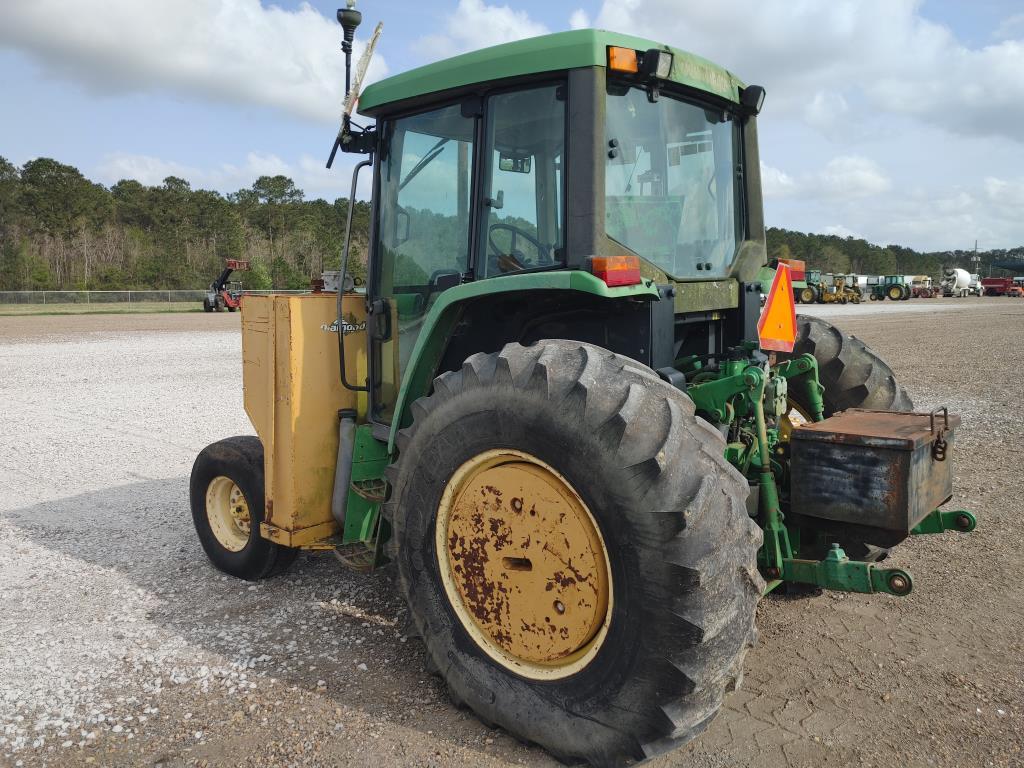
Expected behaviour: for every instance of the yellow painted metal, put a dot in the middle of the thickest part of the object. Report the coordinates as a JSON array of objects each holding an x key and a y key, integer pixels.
[
  {"x": 293, "y": 393},
  {"x": 228, "y": 513},
  {"x": 791, "y": 419},
  {"x": 524, "y": 564}
]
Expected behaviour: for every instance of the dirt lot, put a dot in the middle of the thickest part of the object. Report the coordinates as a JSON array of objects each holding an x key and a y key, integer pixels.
[{"x": 120, "y": 645}]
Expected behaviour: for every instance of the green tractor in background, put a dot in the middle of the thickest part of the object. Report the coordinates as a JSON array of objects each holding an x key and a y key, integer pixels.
[
  {"x": 813, "y": 287},
  {"x": 890, "y": 287},
  {"x": 563, "y": 417}
]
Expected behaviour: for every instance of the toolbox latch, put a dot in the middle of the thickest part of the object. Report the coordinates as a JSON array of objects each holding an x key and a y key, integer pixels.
[{"x": 939, "y": 444}]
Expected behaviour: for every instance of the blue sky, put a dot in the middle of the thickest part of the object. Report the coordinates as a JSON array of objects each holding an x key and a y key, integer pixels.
[{"x": 897, "y": 120}]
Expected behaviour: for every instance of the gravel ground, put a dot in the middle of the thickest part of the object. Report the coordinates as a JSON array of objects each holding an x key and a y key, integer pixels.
[{"x": 120, "y": 645}]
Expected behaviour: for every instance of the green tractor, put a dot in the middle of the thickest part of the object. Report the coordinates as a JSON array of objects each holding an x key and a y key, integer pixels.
[
  {"x": 557, "y": 410},
  {"x": 813, "y": 287},
  {"x": 890, "y": 287}
]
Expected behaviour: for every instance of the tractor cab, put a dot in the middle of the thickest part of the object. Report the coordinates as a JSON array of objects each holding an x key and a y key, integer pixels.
[{"x": 585, "y": 157}]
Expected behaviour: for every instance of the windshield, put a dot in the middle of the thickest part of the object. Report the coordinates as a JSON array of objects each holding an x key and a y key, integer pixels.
[{"x": 670, "y": 189}]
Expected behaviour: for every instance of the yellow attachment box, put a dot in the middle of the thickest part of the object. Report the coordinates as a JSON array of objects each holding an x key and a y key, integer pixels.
[{"x": 293, "y": 392}]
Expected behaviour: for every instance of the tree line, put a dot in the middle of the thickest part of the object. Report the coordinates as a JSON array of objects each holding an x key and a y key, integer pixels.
[
  {"x": 844, "y": 255},
  {"x": 59, "y": 230}
]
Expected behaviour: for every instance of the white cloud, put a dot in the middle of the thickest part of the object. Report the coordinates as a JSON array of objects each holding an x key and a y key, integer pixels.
[
  {"x": 886, "y": 50},
  {"x": 308, "y": 173},
  {"x": 827, "y": 111},
  {"x": 839, "y": 231},
  {"x": 776, "y": 183},
  {"x": 222, "y": 50},
  {"x": 474, "y": 24},
  {"x": 1006, "y": 197},
  {"x": 579, "y": 19},
  {"x": 846, "y": 177},
  {"x": 850, "y": 176},
  {"x": 1010, "y": 27}
]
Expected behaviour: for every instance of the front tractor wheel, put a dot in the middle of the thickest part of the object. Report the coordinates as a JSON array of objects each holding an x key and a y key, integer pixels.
[
  {"x": 226, "y": 490},
  {"x": 575, "y": 550}
]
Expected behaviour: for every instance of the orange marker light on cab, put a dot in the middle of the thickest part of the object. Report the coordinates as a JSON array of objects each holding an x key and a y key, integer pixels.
[
  {"x": 615, "y": 270},
  {"x": 622, "y": 59}
]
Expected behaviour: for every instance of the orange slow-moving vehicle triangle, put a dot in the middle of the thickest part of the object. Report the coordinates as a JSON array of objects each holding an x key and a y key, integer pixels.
[{"x": 777, "y": 327}]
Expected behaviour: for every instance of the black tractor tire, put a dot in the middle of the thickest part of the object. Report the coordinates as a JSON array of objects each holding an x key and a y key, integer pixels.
[
  {"x": 906, "y": 293},
  {"x": 851, "y": 373},
  {"x": 231, "y": 308},
  {"x": 240, "y": 459},
  {"x": 681, "y": 547},
  {"x": 207, "y": 306},
  {"x": 809, "y": 295},
  {"x": 853, "y": 377}
]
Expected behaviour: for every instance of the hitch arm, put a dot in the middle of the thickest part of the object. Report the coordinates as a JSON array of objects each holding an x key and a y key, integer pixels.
[
  {"x": 946, "y": 520},
  {"x": 837, "y": 571}
]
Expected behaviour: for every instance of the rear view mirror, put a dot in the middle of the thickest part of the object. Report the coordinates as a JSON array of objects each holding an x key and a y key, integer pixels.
[{"x": 515, "y": 163}]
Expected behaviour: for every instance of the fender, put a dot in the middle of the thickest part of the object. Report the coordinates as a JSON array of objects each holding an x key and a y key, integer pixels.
[{"x": 443, "y": 315}]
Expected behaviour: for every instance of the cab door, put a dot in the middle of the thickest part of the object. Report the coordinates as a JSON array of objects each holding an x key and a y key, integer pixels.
[
  {"x": 423, "y": 236},
  {"x": 448, "y": 212}
]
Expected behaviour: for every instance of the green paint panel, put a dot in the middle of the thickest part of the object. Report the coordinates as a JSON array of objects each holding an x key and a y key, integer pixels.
[
  {"x": 441, "y": 318},
  {"x": 706, "y": 296},
  {"x": 370, "y": 458},
  {"x": 548, "y": 53}
]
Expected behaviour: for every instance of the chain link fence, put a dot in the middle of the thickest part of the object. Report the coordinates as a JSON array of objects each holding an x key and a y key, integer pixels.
[{"x": 109, "y": 297}]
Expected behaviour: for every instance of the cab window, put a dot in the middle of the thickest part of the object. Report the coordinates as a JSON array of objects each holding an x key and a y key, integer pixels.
[{"x": 521, "y": 211}]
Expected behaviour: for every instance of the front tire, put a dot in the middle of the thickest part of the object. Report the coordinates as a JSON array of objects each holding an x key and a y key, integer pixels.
[
  {"x": 227, "y": 496},
  {"x": 669, "y": 511}
]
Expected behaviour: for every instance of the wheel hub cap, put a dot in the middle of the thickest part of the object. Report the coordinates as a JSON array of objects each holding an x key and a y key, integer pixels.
[
  {"x": 228, "y": 513},
  {"x": 524, "y": 564}
]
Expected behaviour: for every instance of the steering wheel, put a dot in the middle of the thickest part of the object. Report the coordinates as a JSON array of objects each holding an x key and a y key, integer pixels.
[{"x": 515, "y": 259}]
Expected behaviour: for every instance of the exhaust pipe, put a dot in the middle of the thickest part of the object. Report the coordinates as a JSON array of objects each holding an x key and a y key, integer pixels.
[{"x": 343, "y": 468}]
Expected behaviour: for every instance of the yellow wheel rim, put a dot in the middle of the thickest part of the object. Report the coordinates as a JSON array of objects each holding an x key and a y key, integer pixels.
[
  {"x": 524, "y": 564},
  {"x": 228, "y": 513},
  {"x": 792, "y": 418}
]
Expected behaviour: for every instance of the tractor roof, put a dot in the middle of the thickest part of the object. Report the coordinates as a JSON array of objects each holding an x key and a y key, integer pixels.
[{"x": 548, "y": 53}]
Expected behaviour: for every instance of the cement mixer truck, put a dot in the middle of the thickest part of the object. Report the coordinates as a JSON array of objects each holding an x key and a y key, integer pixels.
[{"x": 957, "y": 282}]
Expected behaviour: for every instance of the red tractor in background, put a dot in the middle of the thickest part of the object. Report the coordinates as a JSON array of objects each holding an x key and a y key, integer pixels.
[{"x": 223, "y": 294}]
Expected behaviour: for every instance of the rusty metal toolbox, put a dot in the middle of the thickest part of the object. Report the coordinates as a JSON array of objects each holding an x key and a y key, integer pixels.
[{"x": 880, "y": 469}]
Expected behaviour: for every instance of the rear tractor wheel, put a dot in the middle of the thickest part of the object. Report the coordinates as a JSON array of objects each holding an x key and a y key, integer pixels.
[
  {"x": 808, "y": 295},
  {"x": 227, "y": 495},
  {"x": 574, "y": 550},
  {"x": 895, "y": 292},
  {"x": 853, "y": 377}
]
